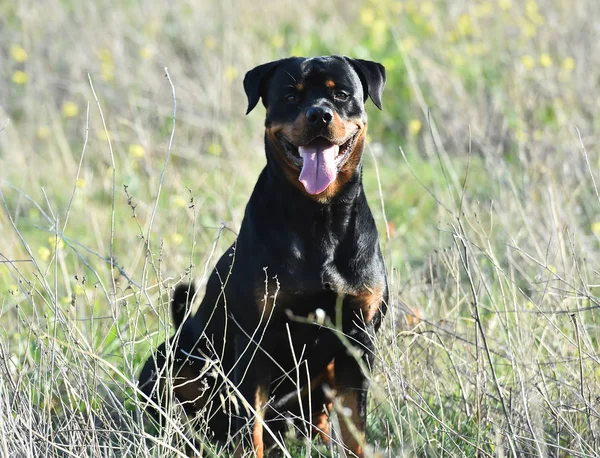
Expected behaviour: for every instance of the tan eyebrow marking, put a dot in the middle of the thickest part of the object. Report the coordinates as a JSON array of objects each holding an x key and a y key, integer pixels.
[
  {"x": 330, "y": 84},
  {"x": 299, "y": 86}
]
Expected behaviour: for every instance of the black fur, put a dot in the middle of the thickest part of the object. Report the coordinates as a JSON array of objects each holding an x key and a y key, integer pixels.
[{"x": 181, "y": 302}]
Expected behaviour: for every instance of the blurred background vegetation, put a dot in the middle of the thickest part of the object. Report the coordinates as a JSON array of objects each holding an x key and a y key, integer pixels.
[{"x": 481, "y": 171}]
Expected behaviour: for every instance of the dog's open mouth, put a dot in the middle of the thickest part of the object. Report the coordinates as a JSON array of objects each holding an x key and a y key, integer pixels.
[{"x": 319, "y": 160}]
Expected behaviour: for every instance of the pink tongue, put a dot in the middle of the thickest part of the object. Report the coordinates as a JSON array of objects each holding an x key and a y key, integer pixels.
[{"x": 319, "y": 169}]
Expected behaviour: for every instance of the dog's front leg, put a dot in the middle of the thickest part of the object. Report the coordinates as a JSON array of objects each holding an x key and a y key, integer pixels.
[
  {"x": 359, "y": 314},
  {"x": 352, "y": 386},
  {"x": 252, "y": 379}
]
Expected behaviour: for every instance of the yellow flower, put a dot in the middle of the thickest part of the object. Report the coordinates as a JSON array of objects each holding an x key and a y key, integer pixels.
[
  {"x": 536, "y": 18},
  {"x": 81, "y": 183},
  {"x": 53, "y": 244},
  {"x": 389, "y": 63},
  {"x": 414, "y": 127},
  {"x": 18, "y": 53},
  {"x": 530, "y": 305},
  {"x": 136, "y": 151},
  {"x": 78, "y": 289},
  {"x": 176, "y": 238},
  {"x": 464, "y": 26},
  {"x": 528, "y": 62},
  {"x": 378, "y": 34},
  {"x": 505, "y": 4},
  {"x": 528, "y": 30},
  {"x": 146, "y": 52},
  {"x": 531, "y": 7},
  {"x": 43, "y": 132},
  {"x": 367, "y": 16},
  {"x": 105, "y": 56},
  {"x": 104, "y": 135},
  {"x": 70, "y": 109},
  {"x": 396, "y": 7},
  {"x": 458, "y": 60},
  {"x": 278, "y": 41},
  {"x": 568, "y": 63},
  {"x": 533, "y": 13},
  {"x": 107, "y": 64},
  {"x": 108, "y": 73},
  {"x": 210, "y": 42},
  {"x": 152, "y": 28},
  {"x": 475, "y": 49},
  {"x": 483, "y": 9},
  {"x": 230, "y": 73},
  {"x": 180, "y": 202},
  {"x": 44, "y": 253},
  {"x": 545, "y": 60},
  {"x": 408, "y": 43},
  {"x": 451, "y": 36},
  {"x": 417, "y": 18},
  {"x": 214, "y": 149},
  {"x": 20, "y": 77},
  {"x": 411, "y": 6},
  {"x": 596, "y": 228},
  {"x": 427, "y": 8},
  {"x": 521, "y": 135}
]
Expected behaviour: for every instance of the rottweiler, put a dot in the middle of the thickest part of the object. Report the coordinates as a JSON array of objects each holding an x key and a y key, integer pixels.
[{"x": 287, "y": 323}]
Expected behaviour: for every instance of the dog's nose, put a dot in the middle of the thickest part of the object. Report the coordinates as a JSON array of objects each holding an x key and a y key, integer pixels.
[{"x": 319, "y": 115}]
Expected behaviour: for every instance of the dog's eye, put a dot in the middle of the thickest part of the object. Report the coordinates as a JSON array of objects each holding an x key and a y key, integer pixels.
[
  {"x": 291, "y": 98},
  {"x": 341, "y": 96}
]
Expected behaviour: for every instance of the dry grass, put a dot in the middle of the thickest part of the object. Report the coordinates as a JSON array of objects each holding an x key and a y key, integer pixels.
[{"x": 490, "y": 223}]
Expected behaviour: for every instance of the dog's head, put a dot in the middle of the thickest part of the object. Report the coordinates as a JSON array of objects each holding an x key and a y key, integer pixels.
[{"x": 316, "y": 120}]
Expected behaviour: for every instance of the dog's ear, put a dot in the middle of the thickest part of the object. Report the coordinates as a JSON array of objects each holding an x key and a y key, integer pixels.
[
  {"x": 372, "y": 77},
  {"x": 255, "y": 83}
]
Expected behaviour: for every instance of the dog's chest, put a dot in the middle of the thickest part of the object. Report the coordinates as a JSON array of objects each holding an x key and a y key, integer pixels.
[
  {"x": 313, "y": 265},
  {"x": 306, "y": 280}
]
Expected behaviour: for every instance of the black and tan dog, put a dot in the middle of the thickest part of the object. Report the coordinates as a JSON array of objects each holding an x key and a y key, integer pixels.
[{"x": 308, "y": 246}]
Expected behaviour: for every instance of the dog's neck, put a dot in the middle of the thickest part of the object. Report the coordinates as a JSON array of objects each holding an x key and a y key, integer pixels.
[
  {"x": 280, "y": 206},
  {"x": 282, "y": 219}
]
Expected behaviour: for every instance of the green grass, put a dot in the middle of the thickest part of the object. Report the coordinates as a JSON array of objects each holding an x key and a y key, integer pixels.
[{"x": 484, "y": 159}]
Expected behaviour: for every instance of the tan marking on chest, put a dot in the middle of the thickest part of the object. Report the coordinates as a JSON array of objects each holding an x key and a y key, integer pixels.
[{"x": 368, "y": 301}]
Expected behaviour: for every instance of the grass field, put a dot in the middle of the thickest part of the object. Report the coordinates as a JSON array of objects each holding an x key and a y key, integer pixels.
[{"x": 482, "y": 173}]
